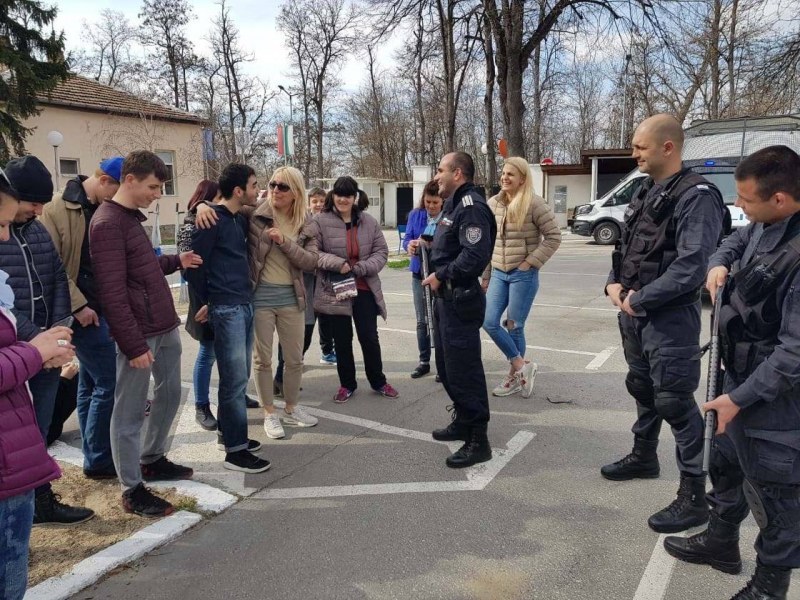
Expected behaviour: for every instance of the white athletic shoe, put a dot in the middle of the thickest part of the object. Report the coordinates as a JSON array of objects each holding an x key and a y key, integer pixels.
[
  {"x": 510, "y": 385},
  {"x": 299, "y": 417},
  {"x": 273, "y": 427},
  {"x": 527, "y": 375}
]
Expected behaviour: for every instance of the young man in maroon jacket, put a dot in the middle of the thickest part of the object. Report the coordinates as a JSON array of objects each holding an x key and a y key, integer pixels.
[{"x": 138, "y": 305}]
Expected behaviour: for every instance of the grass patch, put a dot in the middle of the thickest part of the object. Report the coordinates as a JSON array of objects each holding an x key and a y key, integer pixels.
[{"x": 401, "y": 263}]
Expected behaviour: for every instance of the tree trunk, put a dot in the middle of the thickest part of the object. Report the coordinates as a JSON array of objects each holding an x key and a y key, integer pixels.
[
  {"x": 714, "y": 41},
  {"x": 536, "y": 146},
  {"x": 488, "y": 103},
  {"x": 731, "y": 60}
]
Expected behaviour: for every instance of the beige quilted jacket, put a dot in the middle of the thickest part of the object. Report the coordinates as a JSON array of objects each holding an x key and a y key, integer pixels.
[{"x": 534, "y": 241}]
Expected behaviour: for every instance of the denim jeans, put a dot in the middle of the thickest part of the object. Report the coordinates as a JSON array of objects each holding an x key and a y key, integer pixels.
[
  {"x": 515, "y": 291},
  {"x": 233, "y": 346},
  {"x": 203, "y": 365},
  {"x": 16, "y": 521},
  {"x": 96, "y": 382},
  {"x": 423, "y": 335},
  {"x": 44, "y": 388}
]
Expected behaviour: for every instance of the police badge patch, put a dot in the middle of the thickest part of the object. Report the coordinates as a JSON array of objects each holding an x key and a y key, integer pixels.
[{"x": 473, "y": 234}]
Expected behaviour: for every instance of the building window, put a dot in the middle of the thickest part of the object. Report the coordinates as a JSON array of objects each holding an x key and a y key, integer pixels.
[
  {"x": 68, "y": 167},
  {"x": 560, "y": 199},
  {"x": 168, "y": 157}
]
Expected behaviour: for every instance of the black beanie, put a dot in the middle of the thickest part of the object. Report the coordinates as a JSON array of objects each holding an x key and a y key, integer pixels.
[{"x": 31, "y": 179}]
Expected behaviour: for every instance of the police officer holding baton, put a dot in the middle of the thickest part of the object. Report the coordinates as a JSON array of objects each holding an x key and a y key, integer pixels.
[
  {"x": 756, "y": 456},
  {"x": 672, "y": 226},
  {"x": 462, "y": 247}
]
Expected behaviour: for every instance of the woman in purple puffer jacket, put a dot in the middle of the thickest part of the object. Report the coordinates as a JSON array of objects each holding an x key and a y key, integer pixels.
[{"x": 24, "y": 463}]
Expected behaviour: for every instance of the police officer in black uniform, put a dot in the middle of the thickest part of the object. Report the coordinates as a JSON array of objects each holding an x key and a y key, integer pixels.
[
  {"x": 462, "y": 247},
  {"x": 756, "y": 461},
  {"x": 672, "y": 226}
]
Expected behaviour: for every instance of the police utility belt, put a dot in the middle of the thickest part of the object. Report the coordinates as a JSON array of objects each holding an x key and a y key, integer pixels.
[{"x": 467, "y": 299}]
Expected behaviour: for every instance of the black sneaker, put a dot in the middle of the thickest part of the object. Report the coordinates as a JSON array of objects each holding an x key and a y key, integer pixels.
[
  {"x": 251, "y": 402},
  {"x": 245, "y": 461},
  {"x": 165, "y": 470},
  {"x": 49, "y": 510},
  {"x": 420, "y": 370},
  {"x": 252, "y": 445},
  {"x": 205, "y": 418},
  {"x": 108, "y": 472},
  {"x": 141, "y": 501}
]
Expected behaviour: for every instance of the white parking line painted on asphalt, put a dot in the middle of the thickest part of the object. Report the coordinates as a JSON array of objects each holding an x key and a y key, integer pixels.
[
  {"x": 655, "y": 580},
  {"x": 478, "y": 476},
  {"x": 601, "y": 358},
  {"x": 89, "y": 570},
  {"x": 598, "y": 358}
]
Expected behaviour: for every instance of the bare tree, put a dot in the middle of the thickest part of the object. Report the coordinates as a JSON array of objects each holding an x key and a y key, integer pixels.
[
  {"x": 321, "y": 34},
  {"x": 109, "y": 56}
]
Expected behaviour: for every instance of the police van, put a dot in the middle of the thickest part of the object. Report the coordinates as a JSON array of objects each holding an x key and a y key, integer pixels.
[{"x": 603, "y": 218}]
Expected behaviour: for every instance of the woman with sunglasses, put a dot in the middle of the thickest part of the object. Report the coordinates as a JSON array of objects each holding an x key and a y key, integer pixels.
[
  {"x": 352, "y": 251},
  {"x": 527, "y": 236},
  {"x": 281, "y": 246}
]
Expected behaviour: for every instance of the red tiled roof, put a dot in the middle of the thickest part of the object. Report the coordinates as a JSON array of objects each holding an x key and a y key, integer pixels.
[{"x": 86, "y": 94}]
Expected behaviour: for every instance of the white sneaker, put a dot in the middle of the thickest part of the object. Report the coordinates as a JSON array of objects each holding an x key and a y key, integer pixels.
[
  {"x": 510, "y": 385},
  {"x": 273, "y": 427},
  {"x": 526, "y": 375},
  {"x": 299, "y": 417}
]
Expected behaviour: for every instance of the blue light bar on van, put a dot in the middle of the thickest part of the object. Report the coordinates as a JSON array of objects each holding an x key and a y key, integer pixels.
[{"x": 710, "y": 163}]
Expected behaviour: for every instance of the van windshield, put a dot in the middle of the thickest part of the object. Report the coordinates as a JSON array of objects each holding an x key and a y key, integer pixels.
[{"x": 725, "y": 183}]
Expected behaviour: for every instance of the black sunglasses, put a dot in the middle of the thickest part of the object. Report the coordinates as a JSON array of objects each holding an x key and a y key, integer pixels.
[{"x": 283, "y": 187}]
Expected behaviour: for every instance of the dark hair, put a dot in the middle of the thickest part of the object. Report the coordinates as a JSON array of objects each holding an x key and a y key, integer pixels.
[
  {"x": 143, "y": 163},
  {"x": 206, "y": 191},
  {"x": 316, "y": 191},
  {"x": 463, "y": 161},
  {"x": 431, "y": 189},
  {"x": 363, "y": 200},
  {"x": 344, "y": 186},
  {"x": 775, "y": 169},
  {"x": 233, "y": 176}
]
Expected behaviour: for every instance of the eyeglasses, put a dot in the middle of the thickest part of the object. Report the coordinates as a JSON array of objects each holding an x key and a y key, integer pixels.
[{"x": 283, "y": 187}]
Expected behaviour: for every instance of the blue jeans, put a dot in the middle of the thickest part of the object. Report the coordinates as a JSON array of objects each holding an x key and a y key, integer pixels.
[
  {"x": 16, "y": 520},
  {"x": 97, "y": 354},
  {"x": 44, "y": 388},
  {"x": 203, "y": 365},
  {"x": 233, "y": 324},
  {"x": 514, "y": 291},
  {"x": 423, "y": 335}
]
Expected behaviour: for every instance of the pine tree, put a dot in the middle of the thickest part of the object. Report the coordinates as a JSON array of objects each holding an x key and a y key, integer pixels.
[{"x": 31, "y": 62}]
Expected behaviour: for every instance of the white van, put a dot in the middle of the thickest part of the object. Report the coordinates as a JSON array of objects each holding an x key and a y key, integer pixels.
[{"x": 603, "y": 218}]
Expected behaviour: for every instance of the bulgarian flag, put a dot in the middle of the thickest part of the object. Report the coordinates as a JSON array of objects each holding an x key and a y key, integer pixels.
[{"x": 285, "y": 140}]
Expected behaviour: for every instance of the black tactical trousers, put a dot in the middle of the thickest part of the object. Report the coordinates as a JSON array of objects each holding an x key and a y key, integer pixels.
[
  {"x": 663, "y": 357},
  {"x": 458, "y": 362}
]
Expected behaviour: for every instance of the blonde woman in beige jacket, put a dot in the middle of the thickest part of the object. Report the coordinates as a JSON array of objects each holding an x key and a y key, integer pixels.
[{"x": 527, "y": 236}]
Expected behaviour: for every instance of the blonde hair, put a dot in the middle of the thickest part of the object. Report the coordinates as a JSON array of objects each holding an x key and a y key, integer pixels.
[
  {"x": 293, "y": 177},
  {"x": 519, "y": 205}
]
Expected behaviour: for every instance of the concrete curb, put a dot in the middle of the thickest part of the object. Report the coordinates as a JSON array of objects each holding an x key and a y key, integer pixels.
[
  {"x": 89, "y": 570},
  {"x": 209, "y": 498}
]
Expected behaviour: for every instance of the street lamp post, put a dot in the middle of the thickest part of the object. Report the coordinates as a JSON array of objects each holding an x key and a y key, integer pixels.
[
  {"x": 291, "y": 120},
  {"x": 55, "y": 139}
]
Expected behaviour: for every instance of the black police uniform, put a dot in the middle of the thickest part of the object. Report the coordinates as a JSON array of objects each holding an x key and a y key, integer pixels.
[
  {"x": 461, "y": 249},
  {"x": 671, "y": 229},
  {"x": 757, "y": 461}
]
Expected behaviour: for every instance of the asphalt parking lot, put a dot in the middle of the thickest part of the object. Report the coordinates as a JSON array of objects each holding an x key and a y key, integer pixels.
[{"x": 362, "y": 506}]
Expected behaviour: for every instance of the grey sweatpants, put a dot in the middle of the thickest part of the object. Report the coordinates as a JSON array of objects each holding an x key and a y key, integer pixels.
[{"x": 128, "y": 448}]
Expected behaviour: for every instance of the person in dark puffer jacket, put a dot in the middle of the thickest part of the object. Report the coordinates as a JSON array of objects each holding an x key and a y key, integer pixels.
[
  {"x": 24, "y": 463},
  {"x": 41, "y": 290},
  {"x": 137, "y": 302}
]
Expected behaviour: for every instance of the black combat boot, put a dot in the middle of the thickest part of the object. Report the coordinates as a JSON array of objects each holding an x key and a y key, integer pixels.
[
  {"x": 641, "y": 463},
  {"x": 475, "y": 450},
  {"x": 717, "y": 546},
  {"x": 689, "y": 509},
  {"x": 454, "y": 431},
  {"x": 768, "y": 583},
  {"x": 49, "y": 510}
]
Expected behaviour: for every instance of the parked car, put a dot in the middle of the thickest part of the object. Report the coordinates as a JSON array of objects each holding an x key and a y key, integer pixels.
[{"x": 603, "y": 218}]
